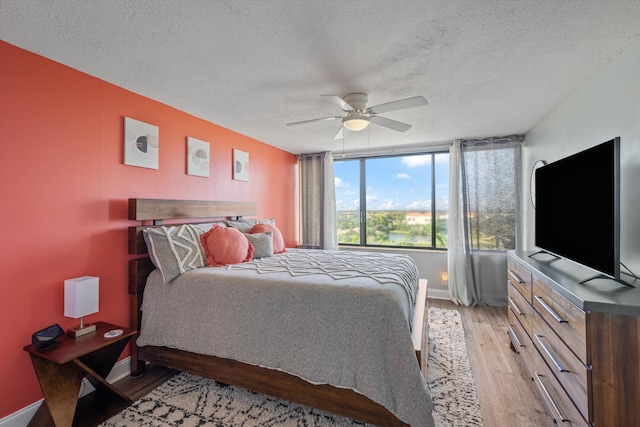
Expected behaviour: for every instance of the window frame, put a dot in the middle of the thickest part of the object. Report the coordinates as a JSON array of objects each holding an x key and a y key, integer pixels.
[{"x": 362, "y": 208}]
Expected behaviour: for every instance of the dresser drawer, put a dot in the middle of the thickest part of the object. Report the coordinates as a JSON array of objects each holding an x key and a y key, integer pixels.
[
  {"x": 555, "y": 398},
  {"x": 521, "y": 308},
  {"x": 520, "y": 277},
  {"x": 566, "y": 367},
  {"x": 567, "y": 320},
  {"x": 521, "y": 343}
]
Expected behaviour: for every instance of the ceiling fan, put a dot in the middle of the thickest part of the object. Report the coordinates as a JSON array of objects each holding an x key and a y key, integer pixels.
[{"x": 359, "y": 115}]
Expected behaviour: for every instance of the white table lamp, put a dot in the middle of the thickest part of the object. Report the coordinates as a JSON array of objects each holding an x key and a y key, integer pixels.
[{"x": 81, "y": 298}]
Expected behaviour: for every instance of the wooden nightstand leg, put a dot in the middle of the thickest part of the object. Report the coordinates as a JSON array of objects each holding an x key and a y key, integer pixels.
[
  {"x": 60, "y": 385},
  {"x": 99, "y": 382},
  {"x": 102, "y": 361}
]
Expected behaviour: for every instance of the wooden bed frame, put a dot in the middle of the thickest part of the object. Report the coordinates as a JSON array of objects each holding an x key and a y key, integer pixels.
[{"x": 270, "y": 382}]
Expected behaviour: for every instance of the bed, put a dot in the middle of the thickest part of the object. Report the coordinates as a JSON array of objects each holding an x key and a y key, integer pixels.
[{"x": 272, "y": 329}]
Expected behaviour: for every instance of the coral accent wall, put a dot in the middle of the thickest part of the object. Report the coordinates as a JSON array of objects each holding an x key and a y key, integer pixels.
[{"x": 64, "y": 191}]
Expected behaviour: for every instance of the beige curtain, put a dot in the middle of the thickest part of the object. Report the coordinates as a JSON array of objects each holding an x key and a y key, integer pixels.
[{"x": 318, "y": 201}]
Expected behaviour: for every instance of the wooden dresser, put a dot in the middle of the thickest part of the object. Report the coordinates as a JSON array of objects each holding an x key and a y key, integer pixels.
[{"x": 579, "y": 343}]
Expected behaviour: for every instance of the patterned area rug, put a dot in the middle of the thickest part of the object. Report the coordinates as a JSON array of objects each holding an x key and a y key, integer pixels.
[
  {"x": 190, "y": 401},
  {"x": 449, "y": 377}
]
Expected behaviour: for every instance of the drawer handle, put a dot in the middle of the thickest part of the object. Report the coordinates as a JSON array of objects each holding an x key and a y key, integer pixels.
[
  {"x": 550, "y": 400},
  {"x": 550, "y": 310},
  {"x": 513, "y": 303},
  {"x": 515, "y": 277},
  {"x": 515, "y": 337},
  {"x": 546, "y": 350}
]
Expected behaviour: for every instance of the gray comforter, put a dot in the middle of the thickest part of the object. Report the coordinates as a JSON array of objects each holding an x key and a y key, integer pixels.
[{"x": 335, "y": 317}]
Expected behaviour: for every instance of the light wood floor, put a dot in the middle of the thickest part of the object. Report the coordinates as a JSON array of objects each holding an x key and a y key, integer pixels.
[{"x": 505, "y": 392}]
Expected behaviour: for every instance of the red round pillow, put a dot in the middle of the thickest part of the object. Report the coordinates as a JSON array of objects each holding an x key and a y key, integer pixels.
[
  {"x": 224, "y": 246},
  {"x": 278, "y": 241}
]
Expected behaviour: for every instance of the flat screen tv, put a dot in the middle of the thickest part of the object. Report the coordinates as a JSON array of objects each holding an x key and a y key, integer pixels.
[{"x": 577, "y": 210}]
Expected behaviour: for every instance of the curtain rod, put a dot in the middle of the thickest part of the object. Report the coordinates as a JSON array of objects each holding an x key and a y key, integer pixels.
[
  {"x": 417, "y": 149},
  {"x": 494, "y": 140},
  {"x": 390, "y": 151}
]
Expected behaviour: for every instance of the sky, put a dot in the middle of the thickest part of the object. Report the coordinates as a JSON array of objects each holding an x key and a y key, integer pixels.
[{"x": 393, "y": 183}]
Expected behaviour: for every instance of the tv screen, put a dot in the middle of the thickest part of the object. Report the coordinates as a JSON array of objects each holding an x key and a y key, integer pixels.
[{"x": 577, "y": 208}]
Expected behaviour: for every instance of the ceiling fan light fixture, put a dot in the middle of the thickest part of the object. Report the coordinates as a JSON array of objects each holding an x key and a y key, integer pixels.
[{"x": 355, "y": 122}]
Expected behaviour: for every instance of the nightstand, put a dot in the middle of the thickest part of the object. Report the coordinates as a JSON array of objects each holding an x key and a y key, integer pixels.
[{"x": 61, "y": 369}]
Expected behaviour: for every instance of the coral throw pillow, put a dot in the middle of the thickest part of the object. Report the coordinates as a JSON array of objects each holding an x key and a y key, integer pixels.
[
  {"x": 278, "y": 241},
  {"x": 223, "y": 246}
]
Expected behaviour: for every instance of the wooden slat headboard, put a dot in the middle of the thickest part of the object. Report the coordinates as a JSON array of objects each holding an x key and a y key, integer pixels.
[{"x": 159, "y": 209}]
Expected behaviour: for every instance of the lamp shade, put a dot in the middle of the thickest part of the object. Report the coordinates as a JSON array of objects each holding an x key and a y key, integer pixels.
[
  {"x": 81, "y": 296},
  {"x": 355, "y": 122}
]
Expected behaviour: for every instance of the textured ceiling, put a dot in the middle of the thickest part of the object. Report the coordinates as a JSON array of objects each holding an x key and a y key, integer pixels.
[{"x": 487, "y": 68}]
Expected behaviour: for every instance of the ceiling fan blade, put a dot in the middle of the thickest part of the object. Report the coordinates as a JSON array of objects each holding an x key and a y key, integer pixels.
[
  {"x": 314, "y": 120},
  {"x": 342, "y": 132},
  {"x": 339, "y": 102},
  {"x": 401, "y": 104},
  {"x": 388, "y": 123}
]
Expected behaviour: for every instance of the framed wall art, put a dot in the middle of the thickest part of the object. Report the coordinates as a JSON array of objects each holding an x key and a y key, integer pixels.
[
  {"x": 198, "y": 157},
  {"x": 240, "y": 165},
  {"x": 140, "y": 144}
]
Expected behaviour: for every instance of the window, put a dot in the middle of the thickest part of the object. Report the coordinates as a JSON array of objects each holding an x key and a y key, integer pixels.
[
  {"x": 490, "y": 192},
  {"x": 393, "y": 201}
]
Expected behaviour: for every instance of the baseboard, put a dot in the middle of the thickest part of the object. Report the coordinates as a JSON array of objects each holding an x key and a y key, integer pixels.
[
  {"x": 22, "y": 417},
  {"x": 438, "y": 293}
]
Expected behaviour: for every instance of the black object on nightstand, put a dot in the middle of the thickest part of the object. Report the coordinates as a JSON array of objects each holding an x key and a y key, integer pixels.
[
  {"x": 45, "y": 339},
  {"x": 60, "y": 371}
]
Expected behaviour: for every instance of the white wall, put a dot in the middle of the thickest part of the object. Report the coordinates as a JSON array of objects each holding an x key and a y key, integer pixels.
[{"x": 605, "y": 107}]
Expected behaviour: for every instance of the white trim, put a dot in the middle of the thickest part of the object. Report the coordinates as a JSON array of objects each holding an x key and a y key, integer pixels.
[
  {"x": 120, "y": 370},
  {"x": 21, "y": 417},
  {"x": 435, "y": 294},
  {"x": 394, "y": 150}
]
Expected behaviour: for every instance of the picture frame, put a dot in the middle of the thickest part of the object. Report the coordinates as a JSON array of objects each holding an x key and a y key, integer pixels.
[
  {"x": 141, "y": 144},
  {"x": 198, "y": 157},
  {"x": 240, "y": 165}
]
